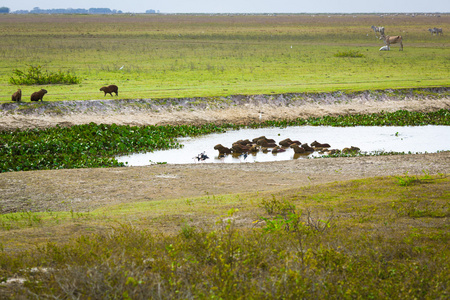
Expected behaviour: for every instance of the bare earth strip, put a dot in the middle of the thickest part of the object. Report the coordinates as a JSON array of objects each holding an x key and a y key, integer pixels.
[
  {"x": 86, "y": 189},
  {"x": 237, "y": 110}
]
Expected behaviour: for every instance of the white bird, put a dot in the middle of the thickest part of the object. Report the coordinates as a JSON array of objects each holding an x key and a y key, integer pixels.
[{"x": 121, "y": 67}]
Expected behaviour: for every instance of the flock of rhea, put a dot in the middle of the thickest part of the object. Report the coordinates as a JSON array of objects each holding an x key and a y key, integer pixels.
[
  {"x": 39, "y": 95},
  {"x": 265, "y": 145}
]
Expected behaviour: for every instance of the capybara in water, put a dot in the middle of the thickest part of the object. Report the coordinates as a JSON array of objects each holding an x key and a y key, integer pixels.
[
  {"x": 255, "y": 140},
  {"x": 320, "y": 145},
  {"x": 278, "y": 149},
  {"x": 110, "y": 89},
  {"x": 264, "y": 143},
  {"x": 222, "y": 149},
  {"x": 297, "y": 148},
  {"x": 238, "y": 148},
  {"x": 307, "y": 147},
  {"x": 36, "y": 96},
  {"x": 285, "y": 143},
  {"x": 17, "y": 96}
]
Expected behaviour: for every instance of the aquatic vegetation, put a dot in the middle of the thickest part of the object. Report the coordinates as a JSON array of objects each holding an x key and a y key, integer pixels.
[
  {"x": 398, "y": 118},
  {"x": 86, "y": 146}
]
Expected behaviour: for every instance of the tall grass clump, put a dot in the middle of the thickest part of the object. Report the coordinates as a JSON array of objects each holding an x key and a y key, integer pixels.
[
  {"x": 35, "y": 75},
  {"x": 349, "y": 53}
]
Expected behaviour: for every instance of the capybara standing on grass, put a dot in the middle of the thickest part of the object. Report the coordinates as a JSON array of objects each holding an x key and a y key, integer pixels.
[
  {"x": 36, "y": 96},
  {"x": 17, "y": 96},
  {"x": 110, "y": 89}
]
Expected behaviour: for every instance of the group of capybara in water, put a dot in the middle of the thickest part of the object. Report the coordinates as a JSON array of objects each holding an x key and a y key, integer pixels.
[
  {"x": 265, "y": 145},
  {"x": 36, "y": 96}
]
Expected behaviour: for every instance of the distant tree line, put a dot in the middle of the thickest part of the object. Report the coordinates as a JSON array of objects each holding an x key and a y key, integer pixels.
[{"x": 99, "y": 11}]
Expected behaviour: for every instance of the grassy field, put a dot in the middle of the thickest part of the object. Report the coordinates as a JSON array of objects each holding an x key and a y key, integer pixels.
[
  {"x": 377, "y": 238},
  {"x": 200, "y": 55},
  {"x": 374, "y": 238}
]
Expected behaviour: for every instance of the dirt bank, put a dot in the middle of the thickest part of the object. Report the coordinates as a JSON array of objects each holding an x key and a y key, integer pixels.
[{"x": 233, "y": 109}]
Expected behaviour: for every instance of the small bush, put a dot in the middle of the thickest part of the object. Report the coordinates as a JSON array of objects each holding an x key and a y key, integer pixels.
[
  {"x": 35, "y": 75},
  {"x": 349, "y": 53}
]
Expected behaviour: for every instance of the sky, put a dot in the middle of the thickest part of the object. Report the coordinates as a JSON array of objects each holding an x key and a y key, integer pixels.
[{"x": 241, "y": 6}]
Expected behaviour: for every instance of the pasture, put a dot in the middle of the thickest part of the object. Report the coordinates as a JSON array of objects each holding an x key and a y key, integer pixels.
[
  {"x": 364, "y": 227},
  {"x": 200, "y": 55}
]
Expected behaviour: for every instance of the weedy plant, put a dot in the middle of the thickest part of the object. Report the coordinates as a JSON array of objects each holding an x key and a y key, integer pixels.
[
  {"x": 35, "y": 75},
  {"x": 349, "y": 53}
]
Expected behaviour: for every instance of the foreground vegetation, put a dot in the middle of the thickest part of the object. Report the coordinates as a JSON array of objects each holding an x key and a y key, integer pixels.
[
  {"x": 161, "y": 56},
  {"x": 96, "y": 145},
  {"x": 377, "y": 238}
]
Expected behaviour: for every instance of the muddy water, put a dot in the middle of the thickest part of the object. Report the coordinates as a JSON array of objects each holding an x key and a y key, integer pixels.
[{"x": 418, "y": 139}]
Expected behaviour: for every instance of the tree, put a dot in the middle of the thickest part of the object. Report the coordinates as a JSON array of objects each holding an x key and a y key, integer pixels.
[{"x": 4, "y": 10}]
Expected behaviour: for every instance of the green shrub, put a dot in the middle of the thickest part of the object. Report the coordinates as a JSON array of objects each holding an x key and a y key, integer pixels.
[
  {"x": 35, "y": 75},
  {"x": 349, "y": 53}
]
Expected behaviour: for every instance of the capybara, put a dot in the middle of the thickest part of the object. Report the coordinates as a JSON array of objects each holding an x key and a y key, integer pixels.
[
  {"x": 17, "y": 96},
  {"x": 264, "y": 143},
  {"x": 307, "y": 147},
  {"x": 36, "y": 96},
  {"x": 320, "y": 145},
  {"x": 278, "y": 149},
  {"x": 238, "y": 148},
  {"x": 297, "y": 148},
  {"x": 255, "y": 140},
  {"x": 110, "y": 89},
  {"x": 285, "y": 143},
  {"x": 351, "y": 150},
  {"x": 222, "y": 149}
]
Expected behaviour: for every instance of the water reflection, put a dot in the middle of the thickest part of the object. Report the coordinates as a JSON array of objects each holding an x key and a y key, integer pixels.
[{"x": 415, "y": 139}]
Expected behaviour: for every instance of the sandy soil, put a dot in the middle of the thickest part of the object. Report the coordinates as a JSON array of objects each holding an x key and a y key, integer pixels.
[
  {"x": 86, "y": 189},
  {"x": 234, "y": 109}
]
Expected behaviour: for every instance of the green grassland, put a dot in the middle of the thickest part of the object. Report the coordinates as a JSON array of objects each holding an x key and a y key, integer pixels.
[
  {"x": 377, "y": 238},
  {"x": 374, "y": 238},
  {"x": 201, "y": 55}
]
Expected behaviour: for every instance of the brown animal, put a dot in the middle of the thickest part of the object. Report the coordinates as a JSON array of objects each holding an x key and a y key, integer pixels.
[
  {"x": 307, "y": 147},
  {"x": 243, "y": 142},
  {"x": 253, "y": 149},
  {"x": 110, "y": 89},
  {"x": 286, "y": 142},
  {"x": 319, "y": 145},
  {"x": 222, "y": 149},
  {"x": 266, "y": 144},
  {"x": 17, "y": 96},
  {"x": 351, "y": 150},
  {"x": 297, "y": 148},
  {"x": 388, "y": 40},
  {"x": 255, "y": 140},
  {"x": 238, "y": 148},
  {"x": 36, "y": 96},
  {"x": 278, "y": 149}
]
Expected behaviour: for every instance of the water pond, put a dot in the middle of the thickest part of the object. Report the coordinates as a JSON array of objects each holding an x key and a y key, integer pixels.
[{"x": 370, "y": 139}]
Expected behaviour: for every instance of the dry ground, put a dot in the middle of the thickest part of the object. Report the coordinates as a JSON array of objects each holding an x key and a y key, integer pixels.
[{"x": 86, "y": 189}]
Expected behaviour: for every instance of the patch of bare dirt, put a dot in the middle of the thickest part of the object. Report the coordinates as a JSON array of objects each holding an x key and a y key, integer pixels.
[{"x": 196, "y": 111}]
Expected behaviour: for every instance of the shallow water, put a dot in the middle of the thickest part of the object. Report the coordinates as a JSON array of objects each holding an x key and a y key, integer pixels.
[{"x": 370, "y": 139}]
